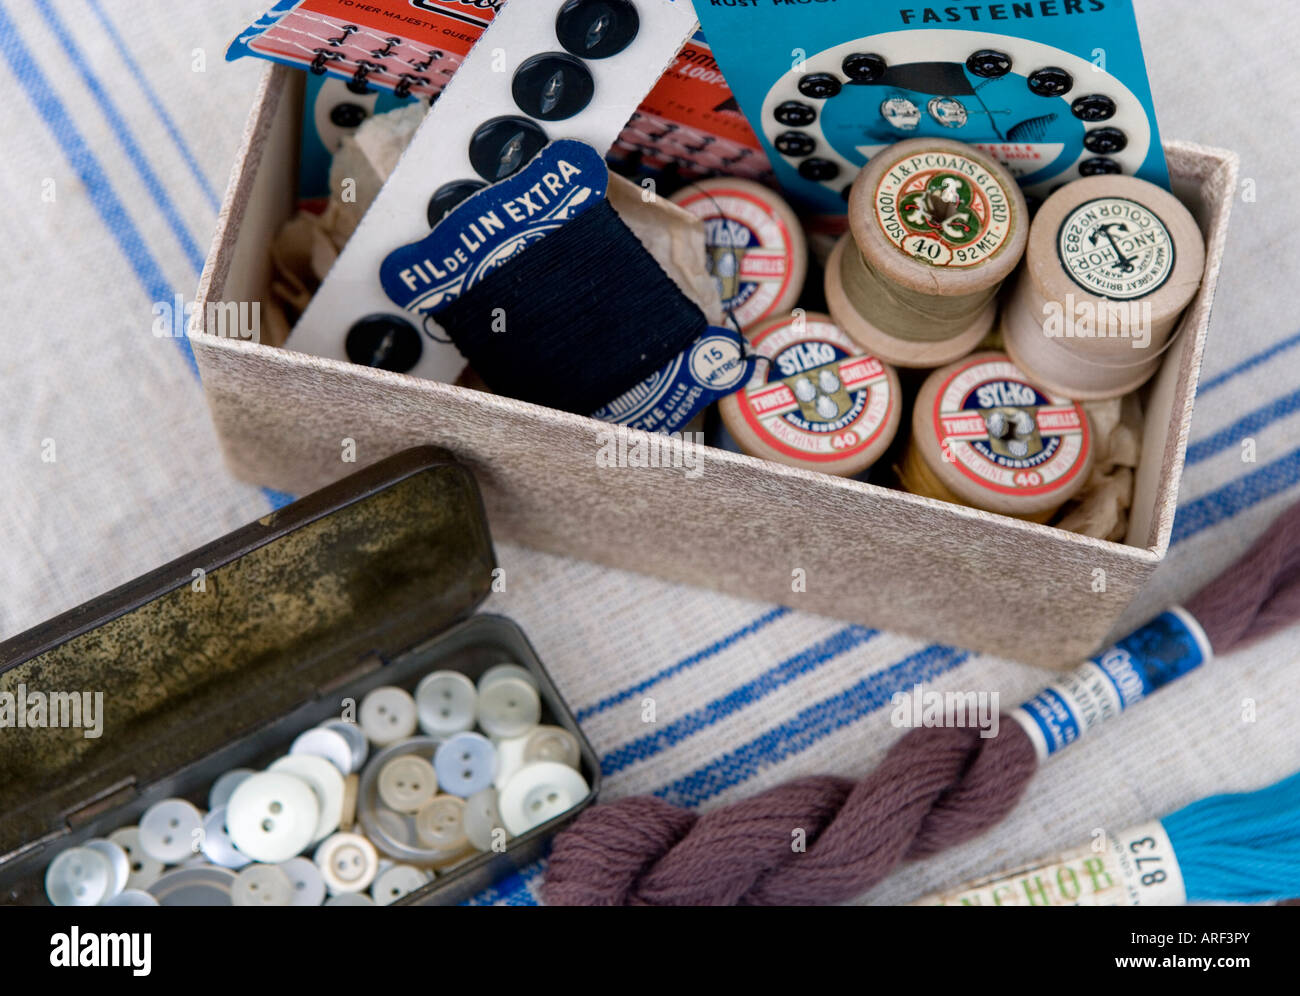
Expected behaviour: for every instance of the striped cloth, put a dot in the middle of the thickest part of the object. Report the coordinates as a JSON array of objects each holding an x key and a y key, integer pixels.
[{"x": 121, "y": 122}]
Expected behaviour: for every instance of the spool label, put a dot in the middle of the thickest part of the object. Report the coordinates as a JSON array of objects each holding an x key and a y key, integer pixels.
[
  {"x": 818, "y": 398},
  {"x": 750, "y": 254},
  {"x": 1116, "y": 248},
  {"x": 943, "y": 208},
  {"x": 1004, "y": 434}
]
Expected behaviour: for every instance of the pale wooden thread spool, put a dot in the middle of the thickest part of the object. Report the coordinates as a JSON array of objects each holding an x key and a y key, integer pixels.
[{"x": 901, "y": 305}]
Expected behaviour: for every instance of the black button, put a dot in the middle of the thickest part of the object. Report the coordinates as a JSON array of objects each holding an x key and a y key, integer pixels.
[
  {"x": 1105, "y": 141},
  {"x": 446, "y": 197},
  {"x": 864, "y": 67},
  {"x": 388, "y": 342},
  {"x": 819, "y": 170},
  {"x": 795, "y": 143},
  {"x": 1099, "y": 165},
  {"x": 989, "y": 63},
  {"x": 597, "y": 29},
  {"x": 553, "y": 86},
  {"x": 820, "y": 86},
  {"x": 795, "y": 114},
  {"x": 348, "y": 115},
  {"x": 500, "y": 147},
  {"x": 1093, "y": 107},
  {"x": 1050, "y": 81}
]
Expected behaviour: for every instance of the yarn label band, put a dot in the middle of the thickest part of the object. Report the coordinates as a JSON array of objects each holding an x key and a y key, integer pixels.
[
  {"x": 1116, "y": 248},
  {"x": 1170, "y": 646},
  {"x": 817, "y": 398},
  {"x": 1004, "y": 434},
  {"x": 1136, "y": 867},
  {"x": 944, "y": 209}
]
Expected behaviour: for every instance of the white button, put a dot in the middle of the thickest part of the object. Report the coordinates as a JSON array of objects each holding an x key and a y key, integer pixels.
[
  {"x": 79, "y": 876},
  {"x": 510, "y": 758},
  {"x": 144, "y": 869},
  {"x": 217, "y": 845},
  {"x": 307, "y": 882},
  {"x": 328, "y": 744},
  {"x": 272, "y": 816},
  {"x": 350, "y": 899},
  {"x": 262, "y": 885},
  {"x": 465, "y": 764},
  {"x": 396, "y": 882},
  {"x": 499, "y": 671},
  {"x": 539, "y": 792},
  {"x": 509, "y": 707},
  {"x": 132, "y": 897},
  {"x": 447, "y": 701},
  {"x": 483, "y": 819},
  {"x": 394, "y": 828},
  {"x": 204, "y": 885},
  {"x": 326, "y": 781},
  {"x": 347, "y": 862},
  {"x": 406, "y": 783},
  {"x": 552, "y": 743},
  {"x": 440, "y": 825},
  {"x": 354, "y": 736},
  {"x": 117, "y": 860},
  {"x": 169, "y": 831},
  {"x": 387, "y": 715},
  {"x": 226, "y": 784},
  {"x": 348, "y": 818}
]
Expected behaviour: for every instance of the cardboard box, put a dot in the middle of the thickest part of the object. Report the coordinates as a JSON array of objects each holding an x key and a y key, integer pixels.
[{"x": 745, "y": 526}]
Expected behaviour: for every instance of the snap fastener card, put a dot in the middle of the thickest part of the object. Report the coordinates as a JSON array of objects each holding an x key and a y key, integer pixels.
[{"x": 1054, "y": 89}]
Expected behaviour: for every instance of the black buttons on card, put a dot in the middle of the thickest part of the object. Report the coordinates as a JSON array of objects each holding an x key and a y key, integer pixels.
[
  {"x": 348, "y": 115},
  {"x": 1050, "y": 81},
  {"x": 552, "y": 86},
  {"x": 1105, "y": 141},
  {"x": 989, "y": 63},
  {"x": 820, "y": 86},
  {"x": 795, "y": 114},
  {"x": 819, "y": 170},
  {"x": 864, "y": 67},
  {"x": 795, "y": 143},
  {"x": 1093, "y": 107},
  {"x": 597, "y": 29},
  {"x": 1099, "y": 165},
  {"x": 448, "y": 196},
  {"x": 498, "y": 148},
  {"x": 388, "y": 342}
]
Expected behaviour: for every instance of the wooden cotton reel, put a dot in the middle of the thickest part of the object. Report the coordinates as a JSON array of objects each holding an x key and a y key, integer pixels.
[
  {"x": 935, "y": 227},
  {"x": 1111, "y": 264},
  {"x": 985, "y": 435},
  {"x": 815, "y": 401}
]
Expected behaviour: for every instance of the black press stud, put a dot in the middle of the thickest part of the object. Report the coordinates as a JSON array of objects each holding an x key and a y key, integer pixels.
[
  {"x": 448, "y": 196},
  {"x": 552, "y": 86},
  {"x": 989, "y": 63},
  {"x": 864, "y": 67},
  {"x": 348, "y": 115},
  {"x": 795, "y": 114},
  {"x": 820, "y": 86},
  {"x": 795, "y": 144},
  {"x": 1105, "y": 141},
  {"x": 1098, "y": 165},
  {"x": 1093, "y": 107},
  {"x": 597, "y": 29},
  {"x": 388, "y": 342},
  {"x": 498, "y": 148},
  {"x": 819, "y": 170},
  {"x": 1050, "y": 81}
]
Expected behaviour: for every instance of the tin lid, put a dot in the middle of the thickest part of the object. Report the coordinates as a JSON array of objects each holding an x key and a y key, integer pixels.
[{"x": 137, "y": 683}]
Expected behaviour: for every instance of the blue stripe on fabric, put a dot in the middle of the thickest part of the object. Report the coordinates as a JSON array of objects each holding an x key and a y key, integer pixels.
[
  {"x": 209, "y": 193},
  {"x": 738, "y": 698},
  {"x": 1249, "y": 364},
  {"x": 810, "y": 726},
  {"x": 123, "y": 133},
  {"x": 1233, "y": 435},
  {"x": 1235, "y": 497},
  {"x": 513, "y": 890},
  {"x": 684, "y": 664}
]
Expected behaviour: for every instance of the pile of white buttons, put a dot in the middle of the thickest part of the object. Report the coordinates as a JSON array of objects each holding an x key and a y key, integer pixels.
[{"x": 387, "y": 824}]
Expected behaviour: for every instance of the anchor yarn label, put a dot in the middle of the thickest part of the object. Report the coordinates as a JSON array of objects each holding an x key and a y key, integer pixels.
[
  {"x": 1116, "y": 248},
  {"x": 1163, "y": 650},
  {"x": 944, "y": 209}
]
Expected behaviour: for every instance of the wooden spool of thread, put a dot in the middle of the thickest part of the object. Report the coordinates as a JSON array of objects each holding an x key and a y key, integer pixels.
[
  {"x": 815, "y": 401},
  {"x": 757, "y": 251},
  {"x": 936, "y": 226},
  {"x": 985, "y": 435},
  {"x": 1112, "y": 263}
]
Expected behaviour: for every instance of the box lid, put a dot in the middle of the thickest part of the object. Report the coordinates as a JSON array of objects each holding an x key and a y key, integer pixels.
[{"x": 160, "y": 672}]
